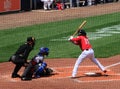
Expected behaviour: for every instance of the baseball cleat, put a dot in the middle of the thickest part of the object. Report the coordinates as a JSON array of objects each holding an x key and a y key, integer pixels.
[
  {"x": 15, "y": 76},
  {"x": 105, "y": 71},
  {"x": 25, "y": 78},
  {"x": 73, "y": 77}
]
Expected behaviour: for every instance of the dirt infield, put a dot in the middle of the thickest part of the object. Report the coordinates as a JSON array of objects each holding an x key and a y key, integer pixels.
[
  {"x": 62, "y": 67},
  {"x": 61, "y": 76}
]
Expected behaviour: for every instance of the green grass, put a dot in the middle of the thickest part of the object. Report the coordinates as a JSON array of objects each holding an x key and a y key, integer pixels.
[
  {"x": 109, "y": 46},
  {"x": 10, "y": 39}
]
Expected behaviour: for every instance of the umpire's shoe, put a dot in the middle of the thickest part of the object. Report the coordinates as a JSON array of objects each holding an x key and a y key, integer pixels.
[
  {"x": 15, "y": 76},
  {"x": 25, "y": 78}
]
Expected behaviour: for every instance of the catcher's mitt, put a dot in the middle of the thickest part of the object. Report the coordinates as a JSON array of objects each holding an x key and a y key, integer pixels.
[{"x": 49, "y": 71}]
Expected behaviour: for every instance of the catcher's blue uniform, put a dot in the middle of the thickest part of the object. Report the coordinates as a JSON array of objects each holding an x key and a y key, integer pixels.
[{"x": 40, "y": 69}]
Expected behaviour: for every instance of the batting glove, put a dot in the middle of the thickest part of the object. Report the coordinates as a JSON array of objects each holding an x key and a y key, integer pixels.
[{"x": 71, "y": 37}]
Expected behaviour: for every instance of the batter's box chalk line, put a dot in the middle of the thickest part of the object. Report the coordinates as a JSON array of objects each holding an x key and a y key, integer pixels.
[
  {"x": 7, "y": 77},
  {"x": 66, "y": 72}
]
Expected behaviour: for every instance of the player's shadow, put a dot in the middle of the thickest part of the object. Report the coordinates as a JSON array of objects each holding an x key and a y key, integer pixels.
[
  {"x": 43, "y": 76},
  {"x": 50, "y": 75}
]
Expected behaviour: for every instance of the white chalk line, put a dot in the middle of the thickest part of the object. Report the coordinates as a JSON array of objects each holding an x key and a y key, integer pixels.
[
  {"x": 112, "y": 65},
  {"x": 7, "y": 77},
  {"x": 83, "y": 81},
  {"x": 109, "y": 80},
  {"x": 55, "y": 69}
]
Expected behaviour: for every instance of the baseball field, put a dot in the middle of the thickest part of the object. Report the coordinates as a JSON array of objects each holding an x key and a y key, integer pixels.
[{"x": 103, "y": 30}]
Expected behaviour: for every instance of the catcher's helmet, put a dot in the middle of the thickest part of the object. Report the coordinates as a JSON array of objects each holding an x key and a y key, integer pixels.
[
  {"x": 82, "y": 32},
  {"x": 44, "y": 51}
]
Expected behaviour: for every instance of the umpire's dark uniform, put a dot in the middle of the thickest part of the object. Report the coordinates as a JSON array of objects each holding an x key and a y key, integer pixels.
[{"x": 21, "y": 55}]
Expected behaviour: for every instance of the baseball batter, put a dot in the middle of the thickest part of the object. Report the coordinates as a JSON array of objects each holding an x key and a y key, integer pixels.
[{"x": 87, "y": 52}]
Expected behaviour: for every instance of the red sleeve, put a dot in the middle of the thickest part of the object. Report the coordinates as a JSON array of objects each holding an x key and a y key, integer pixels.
[
  {"x": 76, "y": 40},
  {"x": 82, "y": 41}
]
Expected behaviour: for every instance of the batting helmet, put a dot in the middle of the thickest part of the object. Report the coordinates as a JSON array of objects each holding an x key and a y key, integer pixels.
[{"x": 82, "y": 32}]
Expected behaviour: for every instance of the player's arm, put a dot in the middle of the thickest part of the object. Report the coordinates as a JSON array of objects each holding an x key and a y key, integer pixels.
[{"x": 75, "y": 40}]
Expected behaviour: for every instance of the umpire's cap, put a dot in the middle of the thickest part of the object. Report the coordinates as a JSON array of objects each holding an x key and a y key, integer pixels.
[
  {"x": 82, "y": 32},
  {"x": 30, "y": 39}
]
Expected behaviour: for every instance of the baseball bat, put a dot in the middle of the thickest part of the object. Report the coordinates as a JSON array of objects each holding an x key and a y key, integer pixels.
[{"x": 83, "y": 23}]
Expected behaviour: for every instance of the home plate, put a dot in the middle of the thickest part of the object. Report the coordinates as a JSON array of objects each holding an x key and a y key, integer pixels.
[{"x": 93, "y": 74}]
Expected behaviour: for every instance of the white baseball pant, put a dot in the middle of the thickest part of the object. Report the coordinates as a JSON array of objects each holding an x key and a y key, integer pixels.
[{"x": 86, "y": 54}]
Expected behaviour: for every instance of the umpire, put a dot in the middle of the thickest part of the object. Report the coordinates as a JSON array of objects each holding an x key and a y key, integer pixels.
[{"x": 21, "y": 55}]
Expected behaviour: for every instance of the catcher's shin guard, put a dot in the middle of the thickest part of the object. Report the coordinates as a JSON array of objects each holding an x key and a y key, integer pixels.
[{"x": 27, "y": 71}]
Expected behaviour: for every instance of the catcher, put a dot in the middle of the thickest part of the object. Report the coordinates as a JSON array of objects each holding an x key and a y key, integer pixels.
[{"x": 36, "y": 66}]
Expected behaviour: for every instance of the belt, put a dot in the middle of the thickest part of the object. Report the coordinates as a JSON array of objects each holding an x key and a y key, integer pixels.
[{"x": 86, "y": 49}]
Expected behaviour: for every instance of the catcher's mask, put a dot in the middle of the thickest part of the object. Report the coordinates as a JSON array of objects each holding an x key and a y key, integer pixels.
[
  {"x": 44, "y": 51},
  {"x": 82, "y": 32}
]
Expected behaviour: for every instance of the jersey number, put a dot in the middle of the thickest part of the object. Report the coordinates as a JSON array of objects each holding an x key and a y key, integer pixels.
[{"x": 87, "y": 41}]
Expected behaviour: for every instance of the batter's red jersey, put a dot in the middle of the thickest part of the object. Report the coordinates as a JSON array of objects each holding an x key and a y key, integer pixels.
[{"x": 82, "y": 41}]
